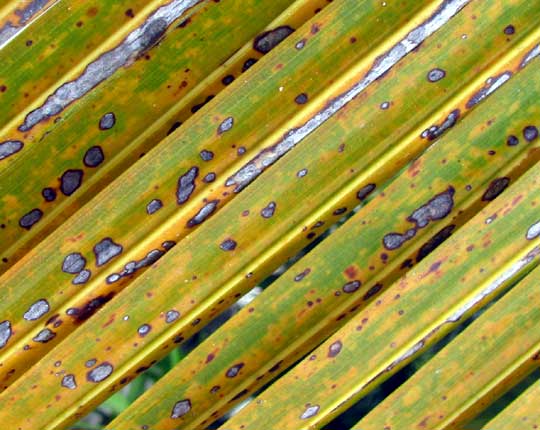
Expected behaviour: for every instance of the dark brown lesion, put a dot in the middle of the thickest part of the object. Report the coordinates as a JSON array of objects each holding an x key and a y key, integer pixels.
[
  {"x": 83, "y": 313},
  {"x": 268, "y": 40}
]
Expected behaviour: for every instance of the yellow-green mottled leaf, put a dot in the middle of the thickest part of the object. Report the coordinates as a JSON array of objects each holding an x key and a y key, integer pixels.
[{"x": 521, "y": 412}]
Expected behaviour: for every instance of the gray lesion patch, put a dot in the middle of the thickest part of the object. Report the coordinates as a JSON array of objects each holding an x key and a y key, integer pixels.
[
  {"x": 31, "y": 9},
  {"x": 435, "y": 75},
  {"x": 436, "y": 208},
  {"x": 132, "y": 47},
  {"x": 93, "y": 157},
  {"x": 29, "y": 219},
  {"x": 44, "y": 336},
  {"x": 10, "y": 147},
  {"x": 492, "y": 85},
  {"x": 533, "y": 231},
  {"x": 106, "y": 250},
  {"x": 9, "y": 30},
  {"x": 73, "y": 263},
  {"x": 5, "y": 333},
  {"x": 37, "y": 310},
  {"x": 268, "y": 40},
  {"x": 393, "y": 241},
  {"x": 133, "y": 266},
  {"x": 269, "y": 210},
  {"x": 70, "y": 181},
  {"x": 204, "y": 213},
  {"x": 228, "y": 245},
  {"x": 171, "y": 316},
  {"x": 436, "y": 131},
  {"x": 82, "y": 277},
  {"x": 153, "y": 206},
  {"x": 531, "y": 55},
  {"x": 226, "y": 125},
  {"x": 310, "y": 412},
  {"x": 180, "y": 409},
  {"x": 233, "y": 371},
  {"x": 100, "y": 373},
  {"x": 381, "y": 66},
  {"x": 107, "y": 121},
  {"x": 186, "y": 185},
  {"x": 69, "y": 382}
]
